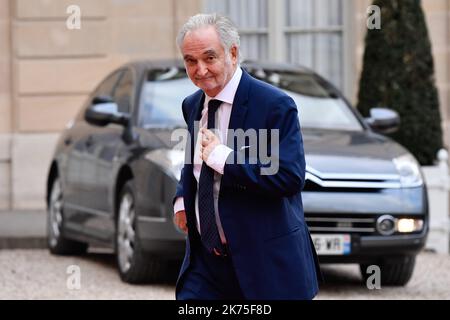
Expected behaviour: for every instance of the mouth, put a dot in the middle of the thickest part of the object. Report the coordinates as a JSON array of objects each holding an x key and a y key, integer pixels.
[{"x": 203, "y": 79}]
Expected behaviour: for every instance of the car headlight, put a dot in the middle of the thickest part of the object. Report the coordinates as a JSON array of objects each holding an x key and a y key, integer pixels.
[
  {"x": 409, "y": 170},
  {"x": 171, "y": 161},
  {"x": 388, "y": 225},
  {"x": 405, "y": 225}
]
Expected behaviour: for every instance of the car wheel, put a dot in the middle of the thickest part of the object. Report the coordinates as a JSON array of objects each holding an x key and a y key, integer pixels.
[
  {"x": 394, "y": 272},
  {"x": 56, "y": 241},
  {"x": 135, "y": 265}
]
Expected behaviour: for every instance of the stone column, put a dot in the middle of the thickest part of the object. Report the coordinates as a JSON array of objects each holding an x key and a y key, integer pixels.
[{"x": 5, "y": 105}]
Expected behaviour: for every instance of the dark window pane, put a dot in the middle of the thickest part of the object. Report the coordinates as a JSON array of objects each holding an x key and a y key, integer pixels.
[{"x": 107, "y": 87}]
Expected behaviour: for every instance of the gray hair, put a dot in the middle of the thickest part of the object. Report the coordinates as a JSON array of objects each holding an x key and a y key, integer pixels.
[{"x": 226, "y": 29}]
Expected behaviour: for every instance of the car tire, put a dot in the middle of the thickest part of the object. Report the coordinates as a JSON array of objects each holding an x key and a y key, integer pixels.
[
  {"x": 134, "y": 264},
  {"x": 394, "y": 272},
  {"x": 56, "y": 242}
]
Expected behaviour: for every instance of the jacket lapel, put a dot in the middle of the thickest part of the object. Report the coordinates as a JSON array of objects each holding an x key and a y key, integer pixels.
[
  {"x": 195, "y": 116},
  {"x": 239, "y": 109}
]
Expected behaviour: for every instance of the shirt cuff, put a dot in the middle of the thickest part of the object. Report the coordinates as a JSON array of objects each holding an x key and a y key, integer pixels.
[
  {"x": 218, "y": 157},
  {"x": 178, "y": 205}
]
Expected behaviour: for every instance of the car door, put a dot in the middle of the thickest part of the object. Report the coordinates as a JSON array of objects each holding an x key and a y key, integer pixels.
[
  {"x": 106, "y": 147},
  {"x": 80, "y": 172}
]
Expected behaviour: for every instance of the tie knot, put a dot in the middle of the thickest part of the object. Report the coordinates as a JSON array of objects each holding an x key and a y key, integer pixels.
[{"x": 213, "y": 105}]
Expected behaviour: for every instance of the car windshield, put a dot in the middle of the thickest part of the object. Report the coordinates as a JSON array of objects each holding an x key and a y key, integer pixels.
[
  {"x": 319, "y": 107},
  {"x": 162, "y": 96}
]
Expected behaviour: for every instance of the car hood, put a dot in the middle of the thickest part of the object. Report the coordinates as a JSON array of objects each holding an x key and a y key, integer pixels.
[
  {"x": 329, "y": 152},
  {"x": 347, "y": 152}
]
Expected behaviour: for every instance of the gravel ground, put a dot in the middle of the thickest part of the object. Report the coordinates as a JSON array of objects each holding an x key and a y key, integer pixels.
[
  {"x": 430, "y": 280},
  {"x": 35, "y": 274}
]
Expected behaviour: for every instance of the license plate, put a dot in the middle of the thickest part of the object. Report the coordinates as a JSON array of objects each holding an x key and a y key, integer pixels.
[{"x": 332, "y": 244}]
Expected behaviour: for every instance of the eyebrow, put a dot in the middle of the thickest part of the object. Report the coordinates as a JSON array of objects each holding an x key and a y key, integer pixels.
[
  {"x": 206, "y": 53},
  {"x": 210, "y": 52}
]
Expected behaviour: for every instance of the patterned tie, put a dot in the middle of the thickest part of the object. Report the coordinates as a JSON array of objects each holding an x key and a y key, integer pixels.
[{"x": 209, "y": 232}]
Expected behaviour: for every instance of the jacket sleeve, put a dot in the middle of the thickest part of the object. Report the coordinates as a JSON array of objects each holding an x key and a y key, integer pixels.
[{"x": 286, "y": 154}]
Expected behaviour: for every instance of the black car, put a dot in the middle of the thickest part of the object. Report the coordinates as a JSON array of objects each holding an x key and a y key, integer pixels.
[{"x": 115, "y": 168}]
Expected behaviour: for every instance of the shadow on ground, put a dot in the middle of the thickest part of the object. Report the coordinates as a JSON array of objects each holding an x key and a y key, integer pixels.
[
  {"x": 334, "y": 275},
  {"x": 347, "y": 275},
  {"x": 106, "y": 259}
]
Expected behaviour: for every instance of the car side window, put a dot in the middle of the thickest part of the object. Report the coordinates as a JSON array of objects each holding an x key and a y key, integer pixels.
[
  {"x": 124, "y": 92},
  {"x": 106, "y": 88}
]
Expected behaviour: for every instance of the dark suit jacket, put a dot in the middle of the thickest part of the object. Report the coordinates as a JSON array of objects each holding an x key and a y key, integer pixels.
[{"x": 262, "y": 215}]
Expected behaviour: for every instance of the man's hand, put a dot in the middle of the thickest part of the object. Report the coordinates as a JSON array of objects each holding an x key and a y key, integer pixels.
[
  {"x": 209, "y": 142},
  {"x": 180, "y": 220}
]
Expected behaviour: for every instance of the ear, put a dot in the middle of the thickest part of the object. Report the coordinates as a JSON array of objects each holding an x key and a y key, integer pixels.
[{"x": 234, "y": 54}]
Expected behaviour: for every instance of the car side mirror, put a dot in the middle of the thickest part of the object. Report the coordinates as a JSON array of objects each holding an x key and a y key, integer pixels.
[
  {"x": 102, "y": 99},
  {"x": 103, "y": 111},
  {"x": 383, "y": 120}
]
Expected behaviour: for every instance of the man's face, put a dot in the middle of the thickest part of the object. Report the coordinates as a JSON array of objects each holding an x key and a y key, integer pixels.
[{"x": 206, "y": 61}]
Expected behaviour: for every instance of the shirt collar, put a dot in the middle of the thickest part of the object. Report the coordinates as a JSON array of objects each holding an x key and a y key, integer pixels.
[{"x": 229, "y": 91}]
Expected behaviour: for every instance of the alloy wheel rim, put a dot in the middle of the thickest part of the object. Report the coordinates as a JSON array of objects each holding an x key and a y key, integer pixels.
[
  {"x": 126, "y": 232},
  {"x": 55, "y": 212}
]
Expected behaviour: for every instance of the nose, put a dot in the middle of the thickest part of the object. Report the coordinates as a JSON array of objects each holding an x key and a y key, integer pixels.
[{"x": 202, "y": 69}]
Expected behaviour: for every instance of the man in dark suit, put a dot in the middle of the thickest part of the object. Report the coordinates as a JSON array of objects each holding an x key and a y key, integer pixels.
[{"x": 247, "y": 237}]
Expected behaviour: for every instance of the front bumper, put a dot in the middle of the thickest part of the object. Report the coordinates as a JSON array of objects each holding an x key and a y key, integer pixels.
[
  {"x": 371, "y": 246},
  {"x": 368, "y": 249}
]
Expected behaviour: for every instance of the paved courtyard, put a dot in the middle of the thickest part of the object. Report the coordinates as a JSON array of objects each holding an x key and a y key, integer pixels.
[{"x": 35, "y": 274}]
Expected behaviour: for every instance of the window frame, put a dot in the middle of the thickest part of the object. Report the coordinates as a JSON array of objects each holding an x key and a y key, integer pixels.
[{"x": 277, "y": 38}]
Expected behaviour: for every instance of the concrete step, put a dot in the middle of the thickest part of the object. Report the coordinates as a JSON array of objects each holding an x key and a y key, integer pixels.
[{"x": 23, "y": 229}]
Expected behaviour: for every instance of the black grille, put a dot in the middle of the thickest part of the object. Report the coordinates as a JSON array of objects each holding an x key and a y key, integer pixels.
[
  {"x": 311, "y": 186},
  {"x": 326, "y": 223}
]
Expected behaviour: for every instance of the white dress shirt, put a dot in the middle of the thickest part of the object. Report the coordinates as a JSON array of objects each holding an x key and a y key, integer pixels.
[{"x": 218, "y": 156}]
